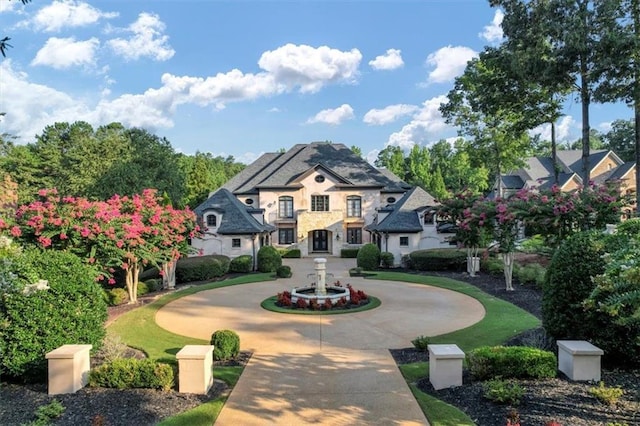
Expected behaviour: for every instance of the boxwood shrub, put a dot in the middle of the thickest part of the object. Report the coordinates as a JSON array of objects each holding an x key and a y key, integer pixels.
[
  {"x": 71, "y": 311},
  {"x": 349, "y": 253},
  {"x": 241, "y": 264},
  {"x": 283, "y": 271},
  {"x": 438, "y": 259},
  {"x": 511, "y": 362},
  {"x": 569, "y": 282},
  {"x": 268, "y": 259},
  {"x": 226, "y": 344},
  {"x": 386, "y": 259},
  {"x": 117, "y": 296},
  {"x": 201, "y": 268},
  {"x": 290, "y": 253},
  {"x": 129, "y": 373},
  {"x": 368, "y": 257}
]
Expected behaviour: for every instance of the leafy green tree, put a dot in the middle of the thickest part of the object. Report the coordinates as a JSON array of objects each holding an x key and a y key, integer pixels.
[
  {"x": 595, "y": 141},
  {"x": 205, "y": 173},
  {"x": 418, "y": 166},
  {"x": 619, "y": 70},
  {"x": 495, "y": 132},
  {"x": 4, "y": 42},
  {"x": 149, "y": 162},
  {"x": 392, "y": 158},
  {"x": 566, "y": 42},
  {"x": 356, "y": 150},
  {"x": 621, "y": 139}
]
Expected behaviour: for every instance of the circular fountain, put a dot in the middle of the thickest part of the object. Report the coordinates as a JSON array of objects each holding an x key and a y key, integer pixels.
[{"x": 321, "y": 291}]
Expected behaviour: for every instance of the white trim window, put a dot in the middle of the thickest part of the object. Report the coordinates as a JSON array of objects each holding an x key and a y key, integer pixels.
[
  {"x": 212, "y": 221},
  {"x": 354, "y": 206}
]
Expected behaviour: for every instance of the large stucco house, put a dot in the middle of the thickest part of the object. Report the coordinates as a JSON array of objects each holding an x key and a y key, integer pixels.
[
  {"x": 320, "y": 198},
  {"x": 538, "y": 172}
]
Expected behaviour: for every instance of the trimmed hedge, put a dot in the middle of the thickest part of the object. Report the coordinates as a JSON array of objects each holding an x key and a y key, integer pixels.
[
  {"x": 226, "y": 344},
  {"x": 201, "y": 268},
  {"x": 349, "y": 253},
  {"x": 368, "y": 257},
  {"x": 268, "y": 259},
  {"x": 386, "y": 259},
  {"x": 117, "y": 296},
  {"x": 71, "y": 310},
  {"x": 438, "y": 259},
  {"x": 128, "y": 373},
  {"x": 241, "y": 264},
  {"x": 283, "y": 271},
  {"x": 511, "y": 362},
  {"x": 290, "y": 253},
  {"x": 569, "y": 282}
]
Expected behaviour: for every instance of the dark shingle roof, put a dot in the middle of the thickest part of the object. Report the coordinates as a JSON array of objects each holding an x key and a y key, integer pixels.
[
  {"x": 573, "y": 158},
  {"x": 512, "y": 182},
  {"x": 622, "y": 170},
  {"x": 284, "y": 169},
  {"x": 236, "y": 218},
  {"x": 404, "y": 218}
]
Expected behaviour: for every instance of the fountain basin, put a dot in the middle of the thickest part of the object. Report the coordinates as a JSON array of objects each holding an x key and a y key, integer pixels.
[{"x": 333, "y": 293}]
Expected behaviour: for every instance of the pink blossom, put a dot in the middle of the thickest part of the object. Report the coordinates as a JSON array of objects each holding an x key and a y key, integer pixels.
[
  {"x": 111, "y": 281},
  {"x": 16, "y": 231},
  {"x": 63, "y": 236},
  {"x": 45, "y": 241}
]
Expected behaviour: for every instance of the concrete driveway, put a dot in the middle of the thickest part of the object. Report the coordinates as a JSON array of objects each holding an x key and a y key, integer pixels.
[{"x": 322, "y": 369}]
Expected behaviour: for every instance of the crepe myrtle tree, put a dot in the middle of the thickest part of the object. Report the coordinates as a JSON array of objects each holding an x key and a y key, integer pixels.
[{"x": 122, "y": 232}]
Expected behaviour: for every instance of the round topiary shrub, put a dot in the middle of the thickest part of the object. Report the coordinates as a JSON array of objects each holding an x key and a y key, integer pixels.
[
  {"x": 386, "y": 259},
  {"x": 268, "y": 259},
  {"x": 226, "y": 344},
  {"x": 368, "y": 257},
  {"x": 569, "y": 281},
  {"x": 118, "y": 296},
  {"x": 241, "y": 264},
  {"x": 283, "y": 271},
  {"x": 54, "y": 301}
]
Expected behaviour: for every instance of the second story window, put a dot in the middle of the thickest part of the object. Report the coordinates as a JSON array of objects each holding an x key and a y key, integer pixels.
[
  {"x": 319, "y": 203},
  {"x": 285, "y": 207},
  {"x": 354, "y": 206},
  {"x": 212, "y": 221}
]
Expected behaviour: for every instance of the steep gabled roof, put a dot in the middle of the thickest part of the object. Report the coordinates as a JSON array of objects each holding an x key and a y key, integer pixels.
[
  {"x": 512, "y": 182},
  {"x": 284, "y": 170},
  {"x": 620, "y": 172},
  {"x": 572, "y": 158},
  {"x": 404, "y": 217},
  {"x": 236, "y": 218}
]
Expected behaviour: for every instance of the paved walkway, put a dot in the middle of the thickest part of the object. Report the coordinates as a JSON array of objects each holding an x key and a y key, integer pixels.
[{"x": 330, "y": 370}]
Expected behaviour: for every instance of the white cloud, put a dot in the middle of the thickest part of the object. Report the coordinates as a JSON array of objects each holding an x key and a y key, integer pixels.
[
  {"x": 65, "y": 13},
  {"x": 61, "y": 53},
  {"x": 389, "y": 61},
  {"x": 449, "y": 62},
  {"x": 274, "y": 110},
  {"x": 565, "y": 130},
  {"x": 427, "y": 125},
  {"x": 310, "y": 68},
  {"x": 147, "y": 40},
  {"x": 372, "y": 156},
  {"x": 7, "y": 6},
  {"x": 605, "y": 126},
  {"x": 333, "y": 116},
  {"x": 493, "y": 32},
  {"x": 389, "y": 114}
]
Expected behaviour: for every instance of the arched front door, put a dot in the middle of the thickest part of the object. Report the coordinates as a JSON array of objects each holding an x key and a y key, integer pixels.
[{"x": 320, "y": 240}]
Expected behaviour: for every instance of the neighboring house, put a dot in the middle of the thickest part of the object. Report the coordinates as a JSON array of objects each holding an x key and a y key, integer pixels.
[
  {"x": 320, "y": 198},
  {"x": 539, "y": 172}
]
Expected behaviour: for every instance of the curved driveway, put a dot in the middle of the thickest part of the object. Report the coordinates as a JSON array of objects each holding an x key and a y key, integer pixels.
[{"x": 322, "y": 369}]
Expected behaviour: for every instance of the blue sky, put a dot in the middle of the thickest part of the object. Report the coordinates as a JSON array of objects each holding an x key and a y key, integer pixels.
[{"x": 245, "y": 77}]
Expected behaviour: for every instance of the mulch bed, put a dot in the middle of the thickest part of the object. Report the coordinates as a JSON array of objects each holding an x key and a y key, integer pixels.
[{"x": 567, "y": 402}]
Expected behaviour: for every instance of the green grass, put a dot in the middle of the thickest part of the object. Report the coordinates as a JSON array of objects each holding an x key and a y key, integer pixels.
[
  {"x": 138, "y": 329},
  {"x": 502, "y": 321},
  {"x": 270, "y": 305}
]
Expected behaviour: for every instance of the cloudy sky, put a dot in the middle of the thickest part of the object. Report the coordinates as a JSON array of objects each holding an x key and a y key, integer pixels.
[{"x": 245, "y": 77}]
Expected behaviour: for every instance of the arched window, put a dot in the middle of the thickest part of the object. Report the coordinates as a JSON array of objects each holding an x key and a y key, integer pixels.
[
  {"x": 285, "y": 207},
  {"x": 354, "y": 206},
  {"x": 212, "y": 221}
]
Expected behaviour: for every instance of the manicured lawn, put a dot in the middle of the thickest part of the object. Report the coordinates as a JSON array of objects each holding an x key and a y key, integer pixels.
[
  {"x": 501, "y": 322},
  {"x": 138, "y": 329}
]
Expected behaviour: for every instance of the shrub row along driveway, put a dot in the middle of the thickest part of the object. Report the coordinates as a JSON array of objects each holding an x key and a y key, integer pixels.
[{"x": 333, "y": 369}]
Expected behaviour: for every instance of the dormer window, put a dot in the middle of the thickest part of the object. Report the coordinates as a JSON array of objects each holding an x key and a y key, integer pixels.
[
  {"x": 212, "y": 221},
  {"x": 319, "y": 178}
]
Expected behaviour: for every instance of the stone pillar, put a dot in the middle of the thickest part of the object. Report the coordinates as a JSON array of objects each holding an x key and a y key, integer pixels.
[
  {"x": 445, "y": 366},
  {"x": 321, "y": 275},
  {"x": 68, "y": 368},
  {"x": 195, "y": 369},
  {"x": 579, "y": 360}
]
